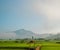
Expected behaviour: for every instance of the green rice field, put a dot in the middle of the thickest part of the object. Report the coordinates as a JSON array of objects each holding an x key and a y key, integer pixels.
[{"x": 44, "y": 45}]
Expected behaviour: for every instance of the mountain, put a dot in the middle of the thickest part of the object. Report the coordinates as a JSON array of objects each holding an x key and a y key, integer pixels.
[{"x": 22, "y": 33}]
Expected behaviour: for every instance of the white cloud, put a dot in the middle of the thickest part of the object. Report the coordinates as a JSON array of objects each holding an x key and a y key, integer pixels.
[{"x": 51, "y": 10}]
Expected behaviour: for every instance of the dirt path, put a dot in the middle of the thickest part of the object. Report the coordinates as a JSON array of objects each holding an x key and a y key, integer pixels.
[{"x": 38, "y": 48}]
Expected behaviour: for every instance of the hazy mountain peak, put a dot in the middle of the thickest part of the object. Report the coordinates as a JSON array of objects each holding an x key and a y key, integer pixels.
[{"x": 22, "y": 33}]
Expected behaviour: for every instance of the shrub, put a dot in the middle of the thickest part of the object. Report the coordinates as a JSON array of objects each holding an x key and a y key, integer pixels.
[
  {"x": 58, "y": 42},
  {"x": 16, "y": 41}
]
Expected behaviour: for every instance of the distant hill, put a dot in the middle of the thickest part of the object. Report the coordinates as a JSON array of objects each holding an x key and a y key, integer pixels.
[
  {"x": 22, "y": 33},
  {"x": 55, "y": 36}
]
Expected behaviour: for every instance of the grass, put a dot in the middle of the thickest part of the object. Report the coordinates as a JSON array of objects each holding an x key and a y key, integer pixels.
[
  {"x": 46, "y": 45},
  {"x": 51, "y": 48},
  {"x": 51, "y": 45}
]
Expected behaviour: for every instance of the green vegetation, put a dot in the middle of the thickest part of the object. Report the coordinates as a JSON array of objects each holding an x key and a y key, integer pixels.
[
  {"x": 51, "y": 48},
  {"x": 46, "y": 45}
]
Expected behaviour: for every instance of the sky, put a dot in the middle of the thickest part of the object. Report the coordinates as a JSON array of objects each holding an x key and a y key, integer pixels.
[{"x": 39, "y": 16}]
